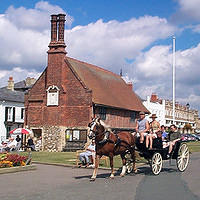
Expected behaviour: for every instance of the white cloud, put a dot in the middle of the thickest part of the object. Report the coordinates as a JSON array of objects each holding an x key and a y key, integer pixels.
[
  {"x": 188, "y": 11},
  {"x": 196, "y": 28},
  {"x": 190, "y": 8},
  {"x": 23, "y": 47},
  {"x": 18, "y": 74},
  {"x": 155, "y": 62},
  {"x": 37, "y": 18},
  {"x": 101, "y": 43},
  {"x": 25, "y": 35},
  {"x": 154, "y": 73}
]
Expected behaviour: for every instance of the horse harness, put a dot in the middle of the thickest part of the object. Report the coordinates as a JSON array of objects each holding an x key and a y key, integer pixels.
[{"x": 119, "y": 142}]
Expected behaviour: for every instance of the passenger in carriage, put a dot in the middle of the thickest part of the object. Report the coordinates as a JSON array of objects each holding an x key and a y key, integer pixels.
[
  {"x": 174, "y": 136},
  {"x": 164, "y": 133},
  {"x": 164, "y": 137},
  {"x": 142, "y": 127},
  {"x": 154, "y": 129}
]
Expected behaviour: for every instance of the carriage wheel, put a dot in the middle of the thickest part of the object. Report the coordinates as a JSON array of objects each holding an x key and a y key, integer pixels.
[
  {"x": 183, "y": 157},
  {"x": 156, "y": 163},
  {"x": 129, "y": 162}
]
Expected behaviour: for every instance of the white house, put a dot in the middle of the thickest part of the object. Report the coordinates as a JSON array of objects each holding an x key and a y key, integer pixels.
[
  {"x": 155, "y": 106},
  {"x": 184, "y": 117},
  {"x": 12, "y": 106}
]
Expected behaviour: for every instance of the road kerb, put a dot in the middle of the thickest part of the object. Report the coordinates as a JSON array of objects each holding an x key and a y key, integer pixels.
[{"x": 17, "y": 169}]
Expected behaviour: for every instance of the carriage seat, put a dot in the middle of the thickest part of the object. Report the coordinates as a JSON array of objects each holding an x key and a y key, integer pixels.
[{"x": 157, "y": 144}]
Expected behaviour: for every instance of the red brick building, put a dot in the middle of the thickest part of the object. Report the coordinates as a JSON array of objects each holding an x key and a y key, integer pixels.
[{"x": 69, "y": 92}]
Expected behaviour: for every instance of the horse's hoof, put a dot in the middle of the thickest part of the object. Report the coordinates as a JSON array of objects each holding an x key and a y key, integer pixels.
[
  {"x": 92, "y": 179},
  {"x": 111, "y": 177},
  {"x": 122, "y": 175}
]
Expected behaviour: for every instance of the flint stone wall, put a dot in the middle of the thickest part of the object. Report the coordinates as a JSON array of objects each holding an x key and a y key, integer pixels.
[{"x": 53, "y": 138}]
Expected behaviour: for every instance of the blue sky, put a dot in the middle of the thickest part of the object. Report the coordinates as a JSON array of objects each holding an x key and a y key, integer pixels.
[{"x": 130, "y": 34}]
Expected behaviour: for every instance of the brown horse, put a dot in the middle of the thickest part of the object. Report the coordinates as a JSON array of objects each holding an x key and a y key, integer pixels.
[{"x": 120, "y": 144}]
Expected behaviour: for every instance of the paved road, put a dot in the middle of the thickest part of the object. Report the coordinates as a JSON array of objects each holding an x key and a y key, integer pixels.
[{"x": 64, "y": 183}]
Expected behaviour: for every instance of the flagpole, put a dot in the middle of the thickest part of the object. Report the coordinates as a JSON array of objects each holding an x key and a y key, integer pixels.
[{"x": 173, "y": 79}]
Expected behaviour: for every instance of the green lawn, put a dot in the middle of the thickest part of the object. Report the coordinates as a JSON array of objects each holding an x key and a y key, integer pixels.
[
  {"x": 194, "y": 146},
  {"x": 63, "y": 158},
  {"x": 70, "y": 157}
]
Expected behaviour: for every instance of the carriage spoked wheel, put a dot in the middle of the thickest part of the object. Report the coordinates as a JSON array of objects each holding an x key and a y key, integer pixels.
[
  {"x": 129, "y": 162},
  {"x": 183, "y": 157},
  {"x": 156, "y": 163}
]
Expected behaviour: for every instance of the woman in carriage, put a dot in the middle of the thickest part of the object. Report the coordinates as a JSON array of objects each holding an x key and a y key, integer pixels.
[{"x": 154, "y": 130}]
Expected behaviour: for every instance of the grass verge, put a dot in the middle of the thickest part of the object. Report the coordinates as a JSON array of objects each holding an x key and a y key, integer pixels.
[{"x": 70, "y": 157}]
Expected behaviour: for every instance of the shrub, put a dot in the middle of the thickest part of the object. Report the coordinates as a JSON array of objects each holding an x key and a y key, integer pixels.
[
  {"x": 5, "y": 163},
  {"x": 11, "y": 160},
  {"x": 16, "y": 159}
]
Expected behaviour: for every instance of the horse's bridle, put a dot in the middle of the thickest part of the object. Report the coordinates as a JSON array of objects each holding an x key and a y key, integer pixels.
[{"x": 94, "y": 132}]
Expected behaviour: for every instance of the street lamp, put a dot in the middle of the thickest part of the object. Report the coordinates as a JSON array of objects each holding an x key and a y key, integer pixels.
[{"x": 188, "y": 107}]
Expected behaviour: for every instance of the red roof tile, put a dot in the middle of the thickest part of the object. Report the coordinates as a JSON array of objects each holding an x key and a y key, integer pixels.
[{"x": 108, "y": 89}]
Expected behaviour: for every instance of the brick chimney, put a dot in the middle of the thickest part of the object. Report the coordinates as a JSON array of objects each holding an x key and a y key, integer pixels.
[
  {"x": 130, "y": 85},
  {"x": 54, "y": 28},
  {"x": 56, "y": 52},
  {"x": 61, "y": 27},
  {"x": 57, "y": 44},
  {"x": 30, "y": 81},
  {"x": 154, "y": 97},
  {"x": 10, "y": 84}
]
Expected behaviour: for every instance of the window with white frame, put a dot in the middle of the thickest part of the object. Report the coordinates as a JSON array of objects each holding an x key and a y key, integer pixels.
[
  {"x": 22, "y": 113},
  {"x": 8, "y": 114},
  {"x": 76, "y": 135},
  {"x": 52, "y": 96}
]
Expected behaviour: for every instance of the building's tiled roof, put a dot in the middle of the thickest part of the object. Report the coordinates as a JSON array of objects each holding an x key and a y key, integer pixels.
[
  {"x": 9, "y": 95},
  {"x": 108, "y": 89},
  {"x": 22, "y": 85}
]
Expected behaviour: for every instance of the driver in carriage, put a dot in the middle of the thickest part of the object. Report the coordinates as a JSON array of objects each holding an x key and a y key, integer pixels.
[{"x": 142, "y": 127}]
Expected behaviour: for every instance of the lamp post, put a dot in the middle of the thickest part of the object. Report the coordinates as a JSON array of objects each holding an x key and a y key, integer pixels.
[{"x": 188, "y": 107}]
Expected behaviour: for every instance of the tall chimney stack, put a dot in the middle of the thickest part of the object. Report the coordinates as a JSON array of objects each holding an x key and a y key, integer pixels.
[
  {"x": 54, "y": 28},
  {"x": 61, "y": 27},
  {"x": 57, "y": 44},
  {"x": 56, "y": 52}
]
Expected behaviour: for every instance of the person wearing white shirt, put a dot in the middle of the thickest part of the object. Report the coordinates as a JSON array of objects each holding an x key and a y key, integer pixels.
[
  {"x": 84, "y": 156},
  {"x": 11, "y": 144}
]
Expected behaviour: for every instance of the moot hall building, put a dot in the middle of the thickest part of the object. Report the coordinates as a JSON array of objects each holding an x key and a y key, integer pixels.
[{"x": 70, "y": 92}]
